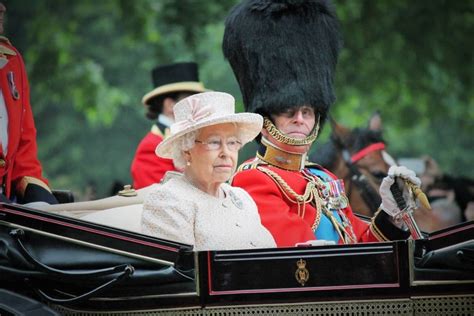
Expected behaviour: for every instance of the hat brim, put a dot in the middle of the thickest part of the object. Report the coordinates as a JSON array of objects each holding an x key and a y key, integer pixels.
[
  {"x": 250, "y": 125},
  {"x": 192, "y": 86}
]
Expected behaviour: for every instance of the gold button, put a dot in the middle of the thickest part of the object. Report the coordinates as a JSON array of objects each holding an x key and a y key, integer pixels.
[
  {"x": 2, "y": 163},
  {"x": 127, "y": 191}
]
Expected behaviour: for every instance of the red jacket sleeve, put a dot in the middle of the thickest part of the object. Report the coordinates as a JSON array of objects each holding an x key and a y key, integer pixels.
[
  {"x": 147, "y": 168},
  {"x": 286, "y": 226},
  {"x": 22, "y": 133},
  {"x": 26, "y": 162}
]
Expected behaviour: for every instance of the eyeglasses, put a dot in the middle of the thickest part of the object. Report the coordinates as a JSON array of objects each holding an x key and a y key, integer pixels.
[{"x": 232, "y": 144}]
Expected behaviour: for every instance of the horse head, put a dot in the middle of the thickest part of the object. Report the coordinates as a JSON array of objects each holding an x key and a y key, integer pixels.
[{"x": 358, "y": 157}]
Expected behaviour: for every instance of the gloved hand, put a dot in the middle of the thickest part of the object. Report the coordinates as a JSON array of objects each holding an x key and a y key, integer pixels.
[{"x": 389, "y": 205}]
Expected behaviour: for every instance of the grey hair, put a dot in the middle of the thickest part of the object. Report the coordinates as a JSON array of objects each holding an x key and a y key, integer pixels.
[{"x": 184, "y": 143}]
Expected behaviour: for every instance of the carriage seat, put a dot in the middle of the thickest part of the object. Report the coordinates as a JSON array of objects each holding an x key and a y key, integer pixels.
[
  {"x": 122, "y": 210},
  {"x": 126, "y": 217},
  {"x": 63, "y": 196},
  {"x": 81, "y": 209}
]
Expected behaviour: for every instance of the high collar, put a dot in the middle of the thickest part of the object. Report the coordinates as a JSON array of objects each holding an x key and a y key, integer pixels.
[
  {"x": 165, "y": 120},
  {"x": 277, "y": 157}
]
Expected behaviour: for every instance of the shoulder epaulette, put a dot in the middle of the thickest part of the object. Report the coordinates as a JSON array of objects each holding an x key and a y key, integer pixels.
[
  {"x": 252, "y": 164},
  {"x": 5, "y": 50},
  {"x": 4, "y": 40},
  {"x": 155, "y": 130},
  {"x": 309, "y": 164}
]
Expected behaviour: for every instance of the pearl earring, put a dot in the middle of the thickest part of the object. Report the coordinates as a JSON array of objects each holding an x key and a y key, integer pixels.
[{"x": 188, "y": 163}]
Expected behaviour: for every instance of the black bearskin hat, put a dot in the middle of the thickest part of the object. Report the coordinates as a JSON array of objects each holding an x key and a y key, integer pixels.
[{"x": 283, "y": 53}]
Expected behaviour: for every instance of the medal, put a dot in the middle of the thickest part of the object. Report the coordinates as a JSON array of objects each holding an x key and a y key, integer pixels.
[
  {"x": 336, "y": 194},
  {"x": 235, "y": 200}
]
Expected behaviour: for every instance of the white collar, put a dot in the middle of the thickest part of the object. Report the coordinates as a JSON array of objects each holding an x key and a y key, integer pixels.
[{"x": 165, "y": 120}]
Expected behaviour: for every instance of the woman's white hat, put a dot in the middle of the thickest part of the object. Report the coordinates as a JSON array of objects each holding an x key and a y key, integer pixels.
[{"x": 206, "y": 109}]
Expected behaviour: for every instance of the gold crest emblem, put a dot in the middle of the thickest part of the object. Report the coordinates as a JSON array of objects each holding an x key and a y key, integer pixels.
[{"x": 301, "y": 274}]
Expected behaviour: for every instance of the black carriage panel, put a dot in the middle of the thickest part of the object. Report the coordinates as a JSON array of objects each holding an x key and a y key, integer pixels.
[{"x": 76, "y": 263}]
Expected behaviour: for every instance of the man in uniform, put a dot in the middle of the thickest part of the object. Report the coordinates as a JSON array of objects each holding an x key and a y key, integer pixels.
[
  {"x": 283, "y": 54},
  {"x": 173, "y": 82},
  {"x": 20, "y": 170}
]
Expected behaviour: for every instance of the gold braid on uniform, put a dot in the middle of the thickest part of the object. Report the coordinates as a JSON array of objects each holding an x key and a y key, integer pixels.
[
  {"x": 279, "y": 136},
  {"x": 376, "y": 230},
  {"x": 271, "y": 154},
  {"x": 338, "y": 227},
  {"x": 311, "y": 194}
]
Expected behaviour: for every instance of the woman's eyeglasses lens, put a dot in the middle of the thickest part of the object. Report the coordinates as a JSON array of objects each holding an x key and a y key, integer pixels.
[{"x": 232, "y": 144}]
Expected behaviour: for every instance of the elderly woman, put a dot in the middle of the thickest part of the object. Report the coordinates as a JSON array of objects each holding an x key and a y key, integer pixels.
[{"x": 198, "y": 207}]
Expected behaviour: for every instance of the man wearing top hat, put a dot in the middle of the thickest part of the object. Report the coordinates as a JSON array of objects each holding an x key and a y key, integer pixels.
[
  {"x": 283, "y": 54},
  {"x": 21, "y": 177},
  {"x": 172, "y": 83}
]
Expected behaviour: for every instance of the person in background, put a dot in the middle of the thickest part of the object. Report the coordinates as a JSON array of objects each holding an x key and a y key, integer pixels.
[
  {"x": 444, "y": 213},
  {"x": 283, "y": 55},
  {"x": 440, "y": 185},
  {"x": 172, "y": 82},
  {"x": 21, "y": 177},
  {"x": 469, "y": 211},
  {"x": 198, "y": 207},
  {"x": 429, "y": 173}
]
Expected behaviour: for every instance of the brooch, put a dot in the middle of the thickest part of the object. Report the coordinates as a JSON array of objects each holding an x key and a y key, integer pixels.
[{"x": 237, "y": 202}]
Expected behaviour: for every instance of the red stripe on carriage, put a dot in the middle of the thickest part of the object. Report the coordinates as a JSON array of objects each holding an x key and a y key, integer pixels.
[{"x": 92, "y": 230}]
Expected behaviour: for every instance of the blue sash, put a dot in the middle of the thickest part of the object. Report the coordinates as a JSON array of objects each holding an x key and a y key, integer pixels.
[{"x": 325, "y": 230}]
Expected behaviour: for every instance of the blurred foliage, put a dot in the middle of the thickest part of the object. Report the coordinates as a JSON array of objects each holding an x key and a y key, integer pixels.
[
  {"x": 89, "y": 64},
  {"x": 413, "y": 61}
]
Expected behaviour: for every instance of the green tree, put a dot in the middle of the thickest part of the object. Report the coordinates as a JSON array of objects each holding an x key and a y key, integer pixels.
[
  {"x": 89, "y": 65},
  {"x": 412, "y": 60}
]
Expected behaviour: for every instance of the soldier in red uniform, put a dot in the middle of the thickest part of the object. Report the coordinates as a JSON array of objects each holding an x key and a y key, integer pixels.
[
  {"x": 20, "y": 170},
  {"x": 283, "y": 55},
  {"x": 173, "y": 82}
]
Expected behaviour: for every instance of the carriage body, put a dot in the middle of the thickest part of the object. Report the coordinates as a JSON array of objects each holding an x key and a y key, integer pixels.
[{"x": 82, "y": 268}]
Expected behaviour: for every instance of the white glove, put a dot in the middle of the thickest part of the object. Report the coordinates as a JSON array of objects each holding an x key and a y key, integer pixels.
[{"x": 389, "y": 205}]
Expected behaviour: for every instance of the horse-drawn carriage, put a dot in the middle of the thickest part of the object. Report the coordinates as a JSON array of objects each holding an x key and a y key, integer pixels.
[{"x": 78, "y": 267}]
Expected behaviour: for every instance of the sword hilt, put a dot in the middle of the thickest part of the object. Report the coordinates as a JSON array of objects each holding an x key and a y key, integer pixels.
[
  {"x": 398, "y": 195},
  {"x": 406, "y": 214}
]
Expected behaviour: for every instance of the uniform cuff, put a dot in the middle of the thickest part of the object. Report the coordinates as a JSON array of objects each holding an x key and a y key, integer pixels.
[
  {"x": 25, "y": 181},
  {"x": 36, "y": 193},
  {"x": 384, "y": 229}
]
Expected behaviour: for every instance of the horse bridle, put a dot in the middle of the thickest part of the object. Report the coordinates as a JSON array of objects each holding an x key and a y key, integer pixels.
[{"x": 367, "y": 192}]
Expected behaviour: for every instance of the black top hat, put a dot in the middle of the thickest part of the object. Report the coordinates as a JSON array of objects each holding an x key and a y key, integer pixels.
[
  {"x": 174, "y": 78},
  {"x": 283, "y": 53}
]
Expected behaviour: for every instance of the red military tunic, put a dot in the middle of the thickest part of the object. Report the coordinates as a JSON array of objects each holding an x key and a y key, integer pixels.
[
  {"x": 147, "y": 168},
  {"x": 20, "y": 165},
  {"x": 290, "y": 225}
]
